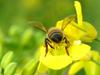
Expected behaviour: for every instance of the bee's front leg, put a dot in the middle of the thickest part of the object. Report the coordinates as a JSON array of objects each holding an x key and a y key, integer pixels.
[
  {"x": 47, "y": 42},
  {"x": 68, "y": 45},
  {"x": 46, "y": 45}
]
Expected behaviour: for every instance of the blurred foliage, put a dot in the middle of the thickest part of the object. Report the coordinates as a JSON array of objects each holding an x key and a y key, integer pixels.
[
  {"x": 7, "y": 66},
  {"x": 18, "y": 36}
]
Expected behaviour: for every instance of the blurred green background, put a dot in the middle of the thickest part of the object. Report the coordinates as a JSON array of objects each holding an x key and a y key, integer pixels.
[{"x": 18, "y": 36}]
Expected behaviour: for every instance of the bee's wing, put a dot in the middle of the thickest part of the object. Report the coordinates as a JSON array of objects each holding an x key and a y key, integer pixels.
[
  {"x": 67, "y": 21},
  {"x": 38, "y": 25}
]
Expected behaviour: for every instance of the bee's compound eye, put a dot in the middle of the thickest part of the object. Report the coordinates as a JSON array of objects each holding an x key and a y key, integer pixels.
[{"x": 56, "y": 37}]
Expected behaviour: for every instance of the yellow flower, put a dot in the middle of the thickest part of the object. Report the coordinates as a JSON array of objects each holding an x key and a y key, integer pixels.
[
  {"x": 57, "y": 58},
  {"x": 86, "y": 32}
]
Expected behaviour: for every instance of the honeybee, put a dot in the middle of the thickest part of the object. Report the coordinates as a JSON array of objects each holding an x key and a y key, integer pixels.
[{"x": 55, "y": 35}]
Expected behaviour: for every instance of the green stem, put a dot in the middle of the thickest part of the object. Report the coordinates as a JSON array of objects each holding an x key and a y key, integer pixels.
[
  {"x": 2, "y": 71},
  {"x": 35, "y": 69},
  {"x": 98, "y": 40}
]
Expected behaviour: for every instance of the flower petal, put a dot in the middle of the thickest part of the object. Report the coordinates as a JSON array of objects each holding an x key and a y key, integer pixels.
[
  {"x": 79, "y": 51},
  {"x": 75, "y": 67}
]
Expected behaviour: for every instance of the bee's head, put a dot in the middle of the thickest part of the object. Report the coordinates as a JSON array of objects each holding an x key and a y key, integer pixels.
[{"x": 55, "y": 35}]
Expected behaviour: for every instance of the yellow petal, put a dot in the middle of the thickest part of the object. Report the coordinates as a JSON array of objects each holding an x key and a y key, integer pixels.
[
  {"x": 59, "y": 24},
  {"x": 80, "y": 51},
  {"x": 79, "y": 12},
  {"x": 75, "y": 67},
  {"x": 55, "y": 62}
]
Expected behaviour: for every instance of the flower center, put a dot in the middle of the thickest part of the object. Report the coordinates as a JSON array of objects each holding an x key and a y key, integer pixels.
[{"x": 59, "y": 49}]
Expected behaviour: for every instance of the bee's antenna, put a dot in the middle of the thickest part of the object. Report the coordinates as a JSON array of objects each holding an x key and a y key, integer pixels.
[{"x": 38, "y": 25}]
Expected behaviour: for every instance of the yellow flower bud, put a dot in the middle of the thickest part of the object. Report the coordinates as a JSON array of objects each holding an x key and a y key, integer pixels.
[
  {"x": 26, "y": 37},
  {"x": 90, "y": 33},
  {"x": 79, "y": 31}
]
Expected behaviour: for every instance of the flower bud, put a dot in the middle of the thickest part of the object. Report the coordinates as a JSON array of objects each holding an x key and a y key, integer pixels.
[{"x": 7, "y": 58}]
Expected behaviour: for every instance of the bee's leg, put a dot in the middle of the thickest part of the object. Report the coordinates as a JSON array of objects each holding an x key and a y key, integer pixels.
[
  {"x": 47, "y": 42},
  {"x": 67, "y": 50},
  {"x": 46, "y": 45},
  {"x": 68, "y": 44}
]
